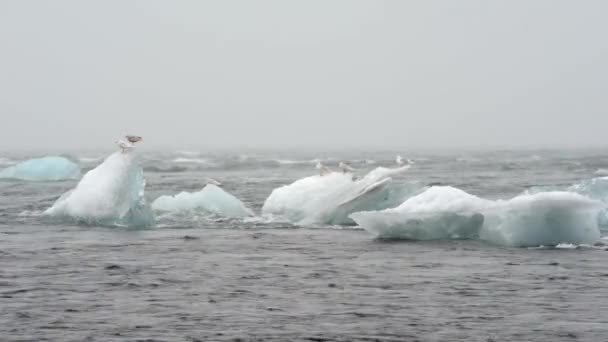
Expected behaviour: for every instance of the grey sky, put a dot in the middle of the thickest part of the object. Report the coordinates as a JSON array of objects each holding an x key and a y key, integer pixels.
[{"x": 371, "y": 74}]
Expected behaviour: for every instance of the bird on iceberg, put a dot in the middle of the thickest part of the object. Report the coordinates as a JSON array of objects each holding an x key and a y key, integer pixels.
[
  {"x": 323, "y": 170},
  {"x": 213, "y": 181},
  {"x": 400, "y": 161},
  {"x": 345, "y": 167},
  {"x": 127, "y": 143}
]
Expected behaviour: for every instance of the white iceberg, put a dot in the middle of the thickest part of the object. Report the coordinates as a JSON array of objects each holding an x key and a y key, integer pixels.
[
  {"x": 211, "y": 199},
  {"x": 110, "y": 194},
  {"x": 43, "y": 169},
  {"x": 332, "y": 197},
  {"x": 548, "y": 218}
]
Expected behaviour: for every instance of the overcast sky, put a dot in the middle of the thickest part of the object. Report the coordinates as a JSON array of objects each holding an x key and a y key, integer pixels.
[{"x": 308, "y": 73}]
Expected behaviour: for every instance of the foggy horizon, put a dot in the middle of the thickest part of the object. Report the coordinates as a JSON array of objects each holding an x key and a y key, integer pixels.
[
  {"x": 276, "y": 75},
  {"x": 344, "y": 170}
]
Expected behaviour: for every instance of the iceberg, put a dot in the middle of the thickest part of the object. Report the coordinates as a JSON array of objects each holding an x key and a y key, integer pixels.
[
  {"x": 211, "y": 198},
  {"x": 331, "y": 198},
  {"x": 43, "y": 169},
  {"x": 602, "y": 172},
  {"x": 110, "y": 194},
  {"x": 595, "y": 188},
  {"x": 547, "y": 218}
]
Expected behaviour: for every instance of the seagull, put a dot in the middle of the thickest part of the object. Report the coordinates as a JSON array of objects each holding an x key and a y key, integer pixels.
[
  {"x": 128, "y": 142},
  {"x": 213, "y": 181},
  {"x": 399, "y": 160},
  {"x": 323, "y": 170},
  {"x": 133, "y": 138},
  {"x": 345, "y": 167}
]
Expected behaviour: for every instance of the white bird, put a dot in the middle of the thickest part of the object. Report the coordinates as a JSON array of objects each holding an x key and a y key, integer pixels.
[
  {"x": 399, "y": 160},
  {"x": 323, "y": 170},
  {"x": 345, "y": 167},
  {"x": 128, "y": 142},
  {"x": 213, "y": 181}
]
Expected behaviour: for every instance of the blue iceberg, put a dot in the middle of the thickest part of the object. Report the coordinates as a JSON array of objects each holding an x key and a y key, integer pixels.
[
  {"x": 596, "y": 188},
  {"x": 110, "y": 194},
  {"x": 547, "y": 218},
  {"x": 43, "y": 169},
  {"x": 211, "y": 199}
]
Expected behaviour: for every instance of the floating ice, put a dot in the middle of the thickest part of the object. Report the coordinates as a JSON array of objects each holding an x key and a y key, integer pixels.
[
  {"x": 330, "y": 198},
  {"x": 212, "y": 199},
  {"x": 596, "y": 188},
  {"x": 188, "y": 153},
  {"x": 43, "y": 169},
  {"x": 548, "y": 218},
  {"x": 110, "y": 194},
  {"x": 566, "y": 246},
  {"x": 601, "y": 172}
]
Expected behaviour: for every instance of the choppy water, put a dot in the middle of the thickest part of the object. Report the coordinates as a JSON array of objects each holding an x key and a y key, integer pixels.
[{"x": 197, "y": 278}]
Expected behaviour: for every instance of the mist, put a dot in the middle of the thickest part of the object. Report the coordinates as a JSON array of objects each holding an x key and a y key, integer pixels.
[{"x": 304, "y": 74}]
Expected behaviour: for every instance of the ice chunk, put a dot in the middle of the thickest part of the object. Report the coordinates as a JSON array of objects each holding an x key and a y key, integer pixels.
[
  {"x": 528, "y": 220},
  {"x": 548, "y": 219},
  {"x": 212, "y": 199},
  {"x": 596, "y": 188},
  {"x": 437, "y": 213},
  {"x": 110, "y": 194},
  {"x": 331, "y": 198},
  {"x": 601, "y": 172},
  {"x": 43, "y": 169}
]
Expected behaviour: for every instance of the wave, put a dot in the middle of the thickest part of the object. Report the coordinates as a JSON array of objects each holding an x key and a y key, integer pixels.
[
  {"x": 159, "y": 169},
  {"x": 90, "y": 159},
  {"x": 469, "y": 159},
  {"x": 192, "y": 161},
  {"x": 294, "y": 162},
  {"x": 548, "y": 218},
  {"x": 188, "y": 153}
]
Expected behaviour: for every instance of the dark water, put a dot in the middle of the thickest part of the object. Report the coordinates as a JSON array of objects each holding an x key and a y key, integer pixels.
[{"x": 199, "y": 278}]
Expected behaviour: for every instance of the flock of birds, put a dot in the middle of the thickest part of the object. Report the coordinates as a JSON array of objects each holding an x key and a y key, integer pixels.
[
  {"x": 345, "y": 168},
  {"x": 128, "y": 143}
]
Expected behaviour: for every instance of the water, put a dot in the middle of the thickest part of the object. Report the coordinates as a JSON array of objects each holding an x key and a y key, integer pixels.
[{"x": 210, "y": 279}]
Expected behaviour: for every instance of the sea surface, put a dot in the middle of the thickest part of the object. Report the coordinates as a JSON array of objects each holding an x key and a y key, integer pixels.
[{"x": 194, "y": 277}]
